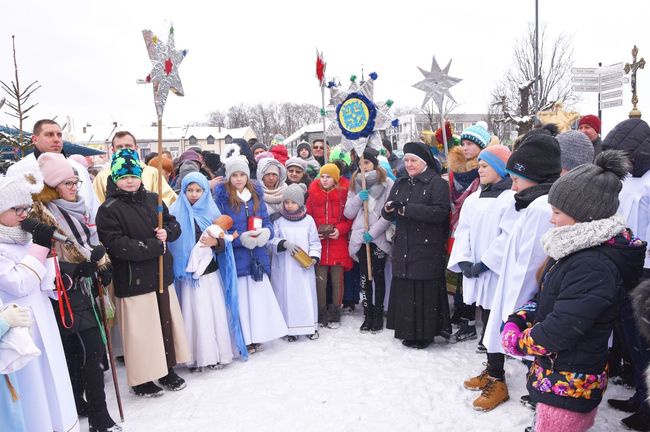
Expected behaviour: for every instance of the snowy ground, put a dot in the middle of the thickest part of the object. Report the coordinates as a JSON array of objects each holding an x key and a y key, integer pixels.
[{"x": 345, "y": 381}]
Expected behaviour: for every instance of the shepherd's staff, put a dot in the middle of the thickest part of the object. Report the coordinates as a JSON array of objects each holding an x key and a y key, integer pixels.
[{"x": 165, "y": 60}]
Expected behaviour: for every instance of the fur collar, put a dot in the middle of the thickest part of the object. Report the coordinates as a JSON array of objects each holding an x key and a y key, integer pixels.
[
  {"x": 561, "y": 242},
  {"x": 457, "y": 163}
]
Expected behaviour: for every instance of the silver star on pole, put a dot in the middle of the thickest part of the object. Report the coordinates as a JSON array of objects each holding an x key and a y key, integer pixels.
[
  {"x": 165, "y": 60},
  {"x": 383, "y": 118},
  {"x": 436, "y": 83}
]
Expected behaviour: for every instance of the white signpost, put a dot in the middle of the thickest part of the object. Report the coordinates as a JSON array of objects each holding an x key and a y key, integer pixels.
[{"x": 606, "y": 81}]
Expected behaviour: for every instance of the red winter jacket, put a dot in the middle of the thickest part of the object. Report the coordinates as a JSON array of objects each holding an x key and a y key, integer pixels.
[
  {"x": 327, "y": 208},
  {"x": 280, "y": 153}
]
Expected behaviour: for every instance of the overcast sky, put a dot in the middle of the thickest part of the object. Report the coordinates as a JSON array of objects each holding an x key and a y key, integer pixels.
[{"x": 87, "y": 55}]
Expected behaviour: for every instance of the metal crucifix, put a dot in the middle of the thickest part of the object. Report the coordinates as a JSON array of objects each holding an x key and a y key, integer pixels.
[{"x": 633, "y": 67}]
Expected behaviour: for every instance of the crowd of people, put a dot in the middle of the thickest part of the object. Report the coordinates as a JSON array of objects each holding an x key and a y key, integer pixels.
[{"x": 544, "y": 242}]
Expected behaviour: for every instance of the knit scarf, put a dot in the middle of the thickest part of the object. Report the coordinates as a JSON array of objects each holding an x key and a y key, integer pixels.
[
  {"x": 463, "y": 180},
  {"x": 375, "y": 189},
  {"x": 203, "y": 212},
  {"x": 73, "y": 219},
  {"x": 294, "y": 216},
  {"x": 527, "y": 196},
  {"x": 563, "y": 241},
  {"x": 273, "y": 196},
  {"x": 14, "y": 235}
]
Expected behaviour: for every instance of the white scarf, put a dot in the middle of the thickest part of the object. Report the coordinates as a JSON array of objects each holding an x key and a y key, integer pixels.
[
  {"x": 563, "y": 241},
  {"x": 14, "y": 235}
]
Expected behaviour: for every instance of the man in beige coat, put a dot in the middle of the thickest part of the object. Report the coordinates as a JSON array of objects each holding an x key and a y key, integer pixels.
[{"x": 122, "y": 140}]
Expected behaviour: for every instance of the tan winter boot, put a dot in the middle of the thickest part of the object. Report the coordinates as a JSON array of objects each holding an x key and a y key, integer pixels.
[
  {"x": 494, "y": 394},
  {"x": 478, "y": 382}
]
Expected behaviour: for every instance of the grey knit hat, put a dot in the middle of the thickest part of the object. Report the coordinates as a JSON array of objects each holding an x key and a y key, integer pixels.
[
  {"x": 590, "y": 191},
  {"x": 15, "y": 192},
  {"x": 297, "y": 162},
  {"x": 296, "y": 193},
  {"x": 575, "y": 149},
  {"x": 237, "y": 163}
]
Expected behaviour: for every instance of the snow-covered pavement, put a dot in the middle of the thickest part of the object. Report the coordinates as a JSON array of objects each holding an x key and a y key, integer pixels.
[{"x": 345, "y": 381}]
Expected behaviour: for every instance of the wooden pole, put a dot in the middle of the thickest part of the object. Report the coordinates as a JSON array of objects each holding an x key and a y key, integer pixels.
[
  {"x": 444, "y": 131},
  {"x": 161, "y": 265},
  {"x": 109, "y": 346},
  {"x": 366, "y": 223},
  {"x": 322, "y": 95}
]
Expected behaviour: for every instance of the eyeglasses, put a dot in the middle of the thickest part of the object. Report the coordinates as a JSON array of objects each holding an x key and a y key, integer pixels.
[
  {"x": 73, "y": 183},
  {"x": 317, "y": 148},
  {"x": 20, "y": 211}
]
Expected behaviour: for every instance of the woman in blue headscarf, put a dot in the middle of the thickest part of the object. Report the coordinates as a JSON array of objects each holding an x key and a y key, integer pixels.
[{"x": 206, "y": 276}]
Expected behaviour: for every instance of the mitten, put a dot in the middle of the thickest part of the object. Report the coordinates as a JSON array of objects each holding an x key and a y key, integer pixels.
[
  {"x": 364, "y": 195},
  {"x": 263, "y": 237},
  {"x": 16, "y": 316},
  {"x": 478, "y": 268},
  {"x": 466, "y": 268},
  {"x": 42, "y": 235},
  {"x": 85, "y": 269},
  {"x": 510, "y": 339},
  {"x": 247, "y": 240},
  {"x": 367, "y": 238},
  {"x": 290, "y": 247}
]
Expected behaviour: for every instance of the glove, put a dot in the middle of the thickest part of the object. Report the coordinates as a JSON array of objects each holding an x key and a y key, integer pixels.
[
  {"x": 42, "y": 235},
  {"x": 510, "y": 339},
  {"x": 466, "y": 268},
  {"x": 85, "y": 269},
  {"x": 247, "y": 240},
  {"x": 106, "y": 276},
  {"x": 314, "y": 261},
  {"x": 290, "y": 247},
  {"x": 364, "y": 195},
  {"x": 263, "y": 236},
  {"x": 16, "y": 316},
  {"x": 367, "y": 238},
  {"x": 478, "y": 268}
]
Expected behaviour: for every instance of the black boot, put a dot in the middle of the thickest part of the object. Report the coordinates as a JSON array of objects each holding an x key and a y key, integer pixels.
[
  {"x": 465, "y": 332},
  {"x": 639, "y": 421},
  {"x": 172, "y": 381},
  {"x": 625, "y": 405},
  {"x": 377, "y": 319},
  {"x": 103, "y": 423},
  {"x": 147, "y": 390},
  {"x": 333, "y": 316},
  {"x": 367, "y": 319}
]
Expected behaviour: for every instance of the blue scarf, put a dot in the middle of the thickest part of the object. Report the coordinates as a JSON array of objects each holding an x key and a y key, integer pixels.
[{"x": 203, "y": 212}]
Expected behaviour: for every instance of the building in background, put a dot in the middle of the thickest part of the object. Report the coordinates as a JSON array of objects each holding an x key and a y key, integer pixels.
[{"x": 411, "y": 125}]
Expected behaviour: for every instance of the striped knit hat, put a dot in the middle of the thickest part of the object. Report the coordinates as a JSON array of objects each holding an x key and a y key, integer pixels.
[
  {"x": 497, "y": 157},
  {"x": 478, "y": 134}
]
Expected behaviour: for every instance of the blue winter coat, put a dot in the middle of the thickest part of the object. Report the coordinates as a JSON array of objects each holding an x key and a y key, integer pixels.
[{"x": 240, "y": 224}]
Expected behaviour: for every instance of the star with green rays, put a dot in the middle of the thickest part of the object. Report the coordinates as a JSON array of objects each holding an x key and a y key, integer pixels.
[{"x": 357, "y": 119}]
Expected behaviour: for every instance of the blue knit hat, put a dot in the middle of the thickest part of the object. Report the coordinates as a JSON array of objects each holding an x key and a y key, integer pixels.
[{"x": 478, "y": 134}]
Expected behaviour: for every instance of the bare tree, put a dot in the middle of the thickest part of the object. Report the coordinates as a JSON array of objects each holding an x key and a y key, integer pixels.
[
  {"x": 433, "y": 116},
  {"x": 238, "y": 116},
  {"x": 18, "y": 102},
  {"x": 555, "y": 63},
  {"x": 217, "y": 119}
]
